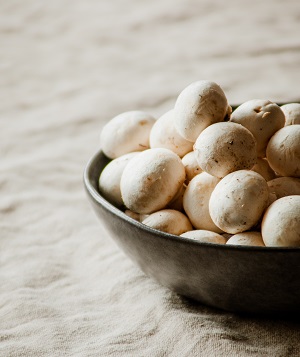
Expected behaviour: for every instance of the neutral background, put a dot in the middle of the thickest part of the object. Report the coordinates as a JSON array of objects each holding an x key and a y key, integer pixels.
[{"x": 67, "y": 67}]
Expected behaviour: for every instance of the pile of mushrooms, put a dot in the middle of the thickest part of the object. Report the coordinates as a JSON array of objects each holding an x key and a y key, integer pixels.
[{"x": 203, "y": 172}]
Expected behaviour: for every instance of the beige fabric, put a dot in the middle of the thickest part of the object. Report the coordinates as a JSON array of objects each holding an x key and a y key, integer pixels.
[{"x": 67, "y": 67}]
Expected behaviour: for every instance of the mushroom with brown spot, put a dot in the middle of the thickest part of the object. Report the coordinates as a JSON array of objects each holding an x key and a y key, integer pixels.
[
  {"x": 204, "y": 236},
  {"x": 281, "y": 223},
  {"x": 168, "y": 221},
  {"x": 225, "y": 147},
  {"x": 284, "y": 186},
  {"x": 151, "y": 180},
  {"x": 238, "y": 201},
  {"x": 262, "y": 118},
  {"x": 246, "y": 238},
  {"x": 199, "y": 105}
]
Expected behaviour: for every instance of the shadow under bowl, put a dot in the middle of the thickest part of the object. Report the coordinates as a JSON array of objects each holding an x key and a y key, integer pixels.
[{"x": 261, "y": 280}]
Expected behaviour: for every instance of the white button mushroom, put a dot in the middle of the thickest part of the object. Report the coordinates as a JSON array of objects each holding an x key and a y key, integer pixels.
[
  {"x": 191, "y": 166},
  {"x": 164, "y": 135},
  {"x": 196, "y": 200},
  {"x": 127, "y": 132},
  {"x": 285, "y": 186},
  {"x": 199, "y": 105},
  {"x": 151, "y": 180},
  {"x": 272, "y": 197},
  {"x": 136, "y": 216},
  {"x": 238, "y": 201},
  {"x": 169, "y": 221},
  {"x": 110, "y": 178},
  {"x": 133, "y": 215},
  {"x": 247, "y": 238},
  {"x": 177, "y": 201},
  {"x": 226, "y": 236},
  {"x": 283, "y": 151},
  {"x": 204, "y": 236},
  {"x": 281, "y": 223},
  {"x": 292, "y": 113},
  {"x": 262, "y": 117},
  {"x": 263, "y": 168},
  {"x": 225, "y": 147}
]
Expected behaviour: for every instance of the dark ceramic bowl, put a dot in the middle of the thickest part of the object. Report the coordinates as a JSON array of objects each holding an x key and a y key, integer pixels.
[{"x": 232, "y": 278}]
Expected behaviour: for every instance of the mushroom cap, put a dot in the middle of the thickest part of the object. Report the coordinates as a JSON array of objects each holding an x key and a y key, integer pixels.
[
  {"x": 281, "y": 223},
  {"x": 227, "y": 236},
  {"x": 196, "y": 201},
  {"x": 136, "y": 216},
  {"x": 283, "y": 151},
  {"x": 191, "y": 166},
  {"x": 169, "y": 221},
  {"x": 204, "y": 236},
  {"x": 133, "y": 215},
  {"x": 151, "y": 180},
  {"x": 263, "y": 168},
  {"x": 164, "y": 135},
  {"x": 262, "y": 117},
  {"x": 177, "y": 201},
  {"x": 199, "y": 105},
  {"x": 272, "y": 197},
  {"x": 110, "y": 178},
  {"x": 247, "y": 238},
  {"x": 127, "y": 132},
  {"x": 225, "y": 147},
  {"x": 238, "y": 201},
  {"x": 284, "y": 186},
  {"x": 292, "y": 113}
]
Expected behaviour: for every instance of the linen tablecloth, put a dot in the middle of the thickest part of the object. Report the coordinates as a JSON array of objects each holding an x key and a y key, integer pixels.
[{"x": 67, "y": 67}]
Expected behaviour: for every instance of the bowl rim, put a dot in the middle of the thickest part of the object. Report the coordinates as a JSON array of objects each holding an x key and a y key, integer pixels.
[{"x": 97, "y": 197}]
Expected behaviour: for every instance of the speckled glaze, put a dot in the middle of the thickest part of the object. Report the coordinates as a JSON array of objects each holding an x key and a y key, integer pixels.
[{"x": 233, "y": 278}]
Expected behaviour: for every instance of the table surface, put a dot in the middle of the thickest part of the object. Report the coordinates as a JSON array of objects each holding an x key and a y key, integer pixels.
[{"x": 67, "y": 67}]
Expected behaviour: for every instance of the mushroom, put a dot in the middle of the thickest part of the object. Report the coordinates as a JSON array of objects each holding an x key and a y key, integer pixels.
[
  {"x": 272, "y": 197},
  {"x": 204, "y": 236},
  {"x": 196, "y": 200},
  {"x": 127, "y": 132},
  {"x": 133, "y": 215},
  {"x": 283, "y": 151},
  {"x": 284, "y": 186},
  {"x": 263, "y": 168},
  {"x": 136, "y": 216},
  {"x": 226, "y": 236},
  {"x": 151, "y": 180},
  {"x": 247, "y": 238},
  {"x": 292, "y": 113},
  {"x": 164, "y": 135},
  {"x": 225, "y": 147},
  {"x": 191, "y": 166},
  {"x": 169, "y": 221},
  {"x": 238, "y": 201},
  {"x": 177, "y": 201},
  {"x": 262, "y": 117},
  {"x": 110, "y": 178},
  {"x": 281, "y": 223},
  {"x": 199, "y": 105}
]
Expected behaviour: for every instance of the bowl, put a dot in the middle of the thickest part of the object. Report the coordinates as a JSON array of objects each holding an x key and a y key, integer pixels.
[{"x": 261, "y": 280}]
